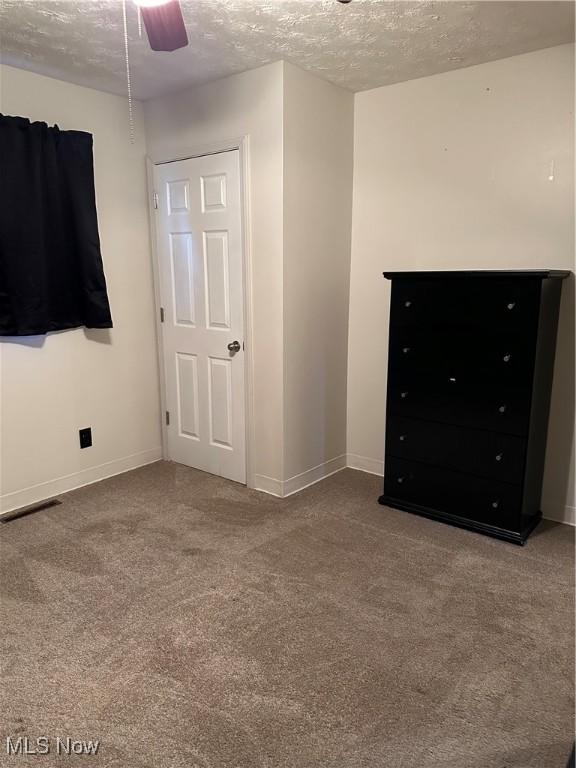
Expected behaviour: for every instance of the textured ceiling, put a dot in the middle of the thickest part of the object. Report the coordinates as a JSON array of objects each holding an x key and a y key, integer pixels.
[{"x": 364, "y": 44}]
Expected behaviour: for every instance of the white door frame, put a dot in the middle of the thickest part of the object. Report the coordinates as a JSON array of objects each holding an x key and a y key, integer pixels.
[{"x": 242, "y": 144}]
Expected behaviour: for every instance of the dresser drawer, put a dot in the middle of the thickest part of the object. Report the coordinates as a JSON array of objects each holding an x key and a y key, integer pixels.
[
  {"x": 504, "y": 358},
  {"x": 488, "y": 454},
  {"x": 487, "y": 303},
  {"x": 460, "y": 402},
  {"x": 455, "y": 493}
]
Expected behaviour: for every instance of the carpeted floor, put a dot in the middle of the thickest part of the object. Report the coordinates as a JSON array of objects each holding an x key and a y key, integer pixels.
[{"x": 186, "y": 622}]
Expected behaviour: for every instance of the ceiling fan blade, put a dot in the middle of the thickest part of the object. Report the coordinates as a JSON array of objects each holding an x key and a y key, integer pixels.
[{"x": 165, "y": 26}]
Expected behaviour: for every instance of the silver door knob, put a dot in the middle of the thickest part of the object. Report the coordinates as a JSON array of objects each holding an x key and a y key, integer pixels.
[{"x": 234, "y": 347}]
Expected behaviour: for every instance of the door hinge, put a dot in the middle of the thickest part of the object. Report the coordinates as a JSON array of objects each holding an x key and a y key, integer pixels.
[
  {"x": 155, "y": 200},
  {"x": 167, "y": 418},
  {"x": 161, "y": 314}
]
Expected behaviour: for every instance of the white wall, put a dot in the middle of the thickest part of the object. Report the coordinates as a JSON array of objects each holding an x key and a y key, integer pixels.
[
  {"x": 53, "y": 386},
  {"x": 318, "y": 146},
  {"x": 249, "y": 104},
  {"x": 451, "y": 172}
]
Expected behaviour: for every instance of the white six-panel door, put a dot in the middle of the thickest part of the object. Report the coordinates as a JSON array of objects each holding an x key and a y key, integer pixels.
[{"x": 198, "y": 220}]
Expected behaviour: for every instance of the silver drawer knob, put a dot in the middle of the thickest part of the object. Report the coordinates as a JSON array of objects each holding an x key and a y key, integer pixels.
[
  {"x": 511, "y": 305},
  {"x": 402, "y": 438},
  {"x": 399, "y": 479},
  {"x": 506, "y": 358},
  {"x": 495, "y": 504},
  {"x": 502, "y": 409},
  {"x": 407, "y": 303},
  {"x": 403, "y": 395},
  {"x": 405, "y": 350},
  {"x": 498, "y": 456}
]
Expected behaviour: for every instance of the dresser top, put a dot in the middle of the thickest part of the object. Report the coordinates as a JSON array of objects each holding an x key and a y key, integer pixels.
[{"x": 443, "y": 275}]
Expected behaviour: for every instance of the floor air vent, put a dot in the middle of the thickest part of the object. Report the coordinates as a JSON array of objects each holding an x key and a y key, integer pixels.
[{"x": 23, "y": 511}]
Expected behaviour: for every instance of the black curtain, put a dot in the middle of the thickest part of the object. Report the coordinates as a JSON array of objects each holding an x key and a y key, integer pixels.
[{"x": 51, "y": 274}]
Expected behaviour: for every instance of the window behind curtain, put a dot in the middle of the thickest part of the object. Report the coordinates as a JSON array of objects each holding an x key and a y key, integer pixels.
[{"x": 51, "y": 274}]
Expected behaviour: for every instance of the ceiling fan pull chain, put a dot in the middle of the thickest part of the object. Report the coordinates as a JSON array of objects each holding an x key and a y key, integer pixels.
[
  {"x": 128, "y": 81},
  {"x": 139, "y": 21}
]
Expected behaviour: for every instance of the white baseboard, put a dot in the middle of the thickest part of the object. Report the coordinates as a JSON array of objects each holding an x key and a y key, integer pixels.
[
  {"x": 51, "y": 488},
  {"x": 365, "y": 464},
  {"x": 568, "y": 516},
  {"x": 283, "y": 488},
  {"x": 268, "y": 485},
  {"x": 314, "y": 475}
]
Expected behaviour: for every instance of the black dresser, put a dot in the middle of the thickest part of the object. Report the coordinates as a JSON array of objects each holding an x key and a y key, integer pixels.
[{"x": 470, "y": 364}]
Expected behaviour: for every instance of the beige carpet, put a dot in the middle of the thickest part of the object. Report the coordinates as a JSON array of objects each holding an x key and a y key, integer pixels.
[{"x": 186, "y": 622}]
